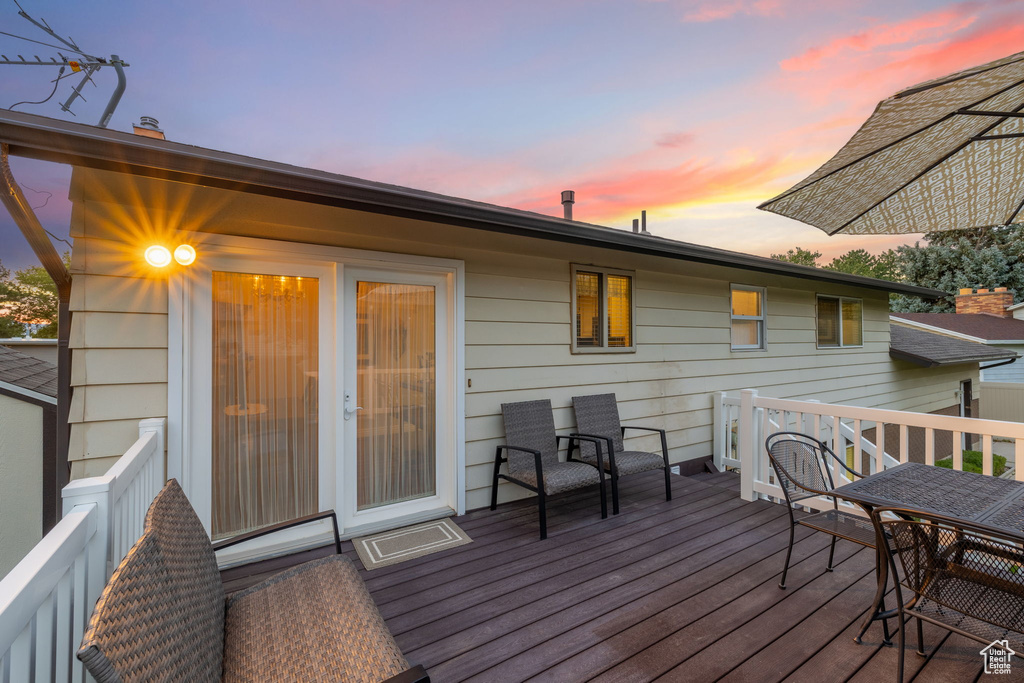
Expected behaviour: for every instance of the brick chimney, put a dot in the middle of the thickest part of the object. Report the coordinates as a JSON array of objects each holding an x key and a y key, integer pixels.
[{"x": 993, "y": 302}]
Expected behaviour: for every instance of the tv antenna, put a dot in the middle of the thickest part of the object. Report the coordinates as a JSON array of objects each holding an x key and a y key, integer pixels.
[{"x": 84, "y": 64}]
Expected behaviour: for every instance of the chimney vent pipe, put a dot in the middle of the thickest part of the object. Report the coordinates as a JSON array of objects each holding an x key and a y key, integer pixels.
[
  {"x": 636, "y": 225},
  {"x": 568, "y": 199},
  {"x": 643, "y": 223}
]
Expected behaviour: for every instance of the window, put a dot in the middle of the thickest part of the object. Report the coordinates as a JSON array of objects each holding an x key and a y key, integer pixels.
[
  {"x": 840, "y": 322},
  {"x": 747, "y": 317},
  {"x": 602, "y": 310}
]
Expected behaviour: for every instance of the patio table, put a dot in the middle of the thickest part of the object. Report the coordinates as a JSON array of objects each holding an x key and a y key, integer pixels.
[{"x": 989, "y": 502}]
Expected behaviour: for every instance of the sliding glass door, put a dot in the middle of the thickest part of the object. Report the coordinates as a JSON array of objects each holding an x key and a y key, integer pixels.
[
  {"x": 394, "y": 366},
  {"x": 316, "y": 385}
]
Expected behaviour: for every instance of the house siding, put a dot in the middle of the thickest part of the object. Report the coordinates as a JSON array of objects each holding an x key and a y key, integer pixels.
[
  {"x": 517, "y": 334},
  {"x": 21, "y": 480}
]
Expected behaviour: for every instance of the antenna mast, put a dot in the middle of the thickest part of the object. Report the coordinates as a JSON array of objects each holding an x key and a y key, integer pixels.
[{"x": 85, "y": 64}]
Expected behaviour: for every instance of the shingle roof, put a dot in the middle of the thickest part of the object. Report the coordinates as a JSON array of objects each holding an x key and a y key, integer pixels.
[
  {"x": 991, "y": 328},
  {"x": 28, "y": 372},
  {"x": 931, "y": 349}
]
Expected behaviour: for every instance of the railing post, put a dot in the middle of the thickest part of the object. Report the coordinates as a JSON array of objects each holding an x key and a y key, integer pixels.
[
  {"x": 719, "y": 445},
  {"x": 746, "y": 448},
  {"x": 159, "y": 426},
  {"x": 96, "y": 491}
]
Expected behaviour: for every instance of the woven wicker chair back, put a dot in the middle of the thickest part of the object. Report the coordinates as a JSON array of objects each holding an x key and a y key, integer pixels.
[
  {"x": 161, "y": 615},
  {"x": 802, "y": 463},
  {"x": 976, "y": 575},
  {"x": 597, "y": 415},
  {"x": 529, "y": 424}
]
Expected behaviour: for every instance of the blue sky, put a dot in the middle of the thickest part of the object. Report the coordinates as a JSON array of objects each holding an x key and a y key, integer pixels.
[{"x": 693, "y": 110}]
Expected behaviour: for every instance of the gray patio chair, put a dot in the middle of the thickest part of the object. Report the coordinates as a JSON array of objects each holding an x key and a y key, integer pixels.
[
  {"x": 800, "y": 464},
  {"x": 533, "y": 463},
  {"x": 598, "y": 416},
  {"x": 965, "y": 578}
]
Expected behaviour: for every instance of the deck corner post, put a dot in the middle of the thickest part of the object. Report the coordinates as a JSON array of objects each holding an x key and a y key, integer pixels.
[
  {"x": 720, "y": 429},
  {"x": 746, "y": 448}
]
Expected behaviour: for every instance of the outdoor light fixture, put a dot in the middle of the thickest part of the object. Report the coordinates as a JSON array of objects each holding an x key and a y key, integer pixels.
[
  {"x": 158, "y": 256},
  {"x": 185, "y": 254}
]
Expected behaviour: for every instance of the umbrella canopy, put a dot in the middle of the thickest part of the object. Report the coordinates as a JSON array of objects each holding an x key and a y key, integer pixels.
[{"x": 942, "y": 155}]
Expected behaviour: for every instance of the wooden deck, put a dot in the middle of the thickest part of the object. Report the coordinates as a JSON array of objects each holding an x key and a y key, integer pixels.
[{"x": 685, "y": 590}]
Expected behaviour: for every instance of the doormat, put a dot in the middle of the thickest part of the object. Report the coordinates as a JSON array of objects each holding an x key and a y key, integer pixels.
[{"x": 399, "y": 545}]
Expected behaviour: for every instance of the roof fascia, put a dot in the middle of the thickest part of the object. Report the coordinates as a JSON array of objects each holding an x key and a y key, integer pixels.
[{"x": 938, "y": 330}]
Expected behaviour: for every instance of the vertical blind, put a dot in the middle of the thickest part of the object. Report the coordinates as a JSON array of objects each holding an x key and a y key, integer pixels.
[
  {"x": 620, "y": 311},
  {"x": 265, "y": 355},
  {"x": 588, "y": 309},
  {"x": 853, "y": 329},
  {"x": 395, "y": 351}
]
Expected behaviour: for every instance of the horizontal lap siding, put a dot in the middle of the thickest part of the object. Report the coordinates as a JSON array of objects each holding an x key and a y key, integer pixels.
[
  {"x": 683, "y": 356},
  {"x": 518, "y": 329},
  {"x": 119, "y": 351}
]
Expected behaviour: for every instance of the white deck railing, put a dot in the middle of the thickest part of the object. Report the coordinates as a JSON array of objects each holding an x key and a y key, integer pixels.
[
  {"x": 47, "y": 599},
  {"x": 743, "y": 422}
]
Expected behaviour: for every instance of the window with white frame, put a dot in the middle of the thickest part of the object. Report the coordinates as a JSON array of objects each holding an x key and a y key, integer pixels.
[
  {"x": 603, "y": 310},
  {"x": 840, "y": 322},
  {"x": 748, "y": 328}
]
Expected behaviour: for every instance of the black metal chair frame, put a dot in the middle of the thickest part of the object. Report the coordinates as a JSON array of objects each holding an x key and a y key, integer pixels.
[
  {"x": 931, "y": 523},
  {"x": 820, "y": 449},
  {"x": 574, "y": 440},
  {"x": 615, "y": 470}
]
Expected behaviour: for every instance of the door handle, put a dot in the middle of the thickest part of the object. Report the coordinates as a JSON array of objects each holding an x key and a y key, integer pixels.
[{"x": 349, "y": 410}]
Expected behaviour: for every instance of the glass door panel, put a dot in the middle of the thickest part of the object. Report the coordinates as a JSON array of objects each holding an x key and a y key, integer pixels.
[
  {"x": 265, "y": 413},
  {"x": 395, "y": 383}
]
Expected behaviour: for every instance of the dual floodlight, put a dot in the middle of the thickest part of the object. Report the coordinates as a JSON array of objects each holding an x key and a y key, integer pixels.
[{"x": 160, "y": 256}]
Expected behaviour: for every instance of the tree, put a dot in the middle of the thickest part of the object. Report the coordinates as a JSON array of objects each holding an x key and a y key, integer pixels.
[
  {"x": 856, "y": 262},
  {"x": 30, "y": 298},
  {"x": 800, "y": 256},
  {"x": 986, "y": 257}
]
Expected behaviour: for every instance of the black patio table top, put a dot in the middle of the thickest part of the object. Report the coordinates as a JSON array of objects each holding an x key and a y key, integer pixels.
[
  {"x": 991, "y": 503},
  {"x": 987, "y": 501}
]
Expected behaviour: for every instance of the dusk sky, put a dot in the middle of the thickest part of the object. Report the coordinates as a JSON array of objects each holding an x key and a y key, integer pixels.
[{"x": 694, "y": 110}]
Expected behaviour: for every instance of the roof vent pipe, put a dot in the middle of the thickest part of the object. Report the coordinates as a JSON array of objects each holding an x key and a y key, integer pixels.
[
  {"x": 568, "y": 199},
  {"x": 643, "y": 223},
  {"x": 636, "y": 225},
  {"x": 148, "y": 127}
]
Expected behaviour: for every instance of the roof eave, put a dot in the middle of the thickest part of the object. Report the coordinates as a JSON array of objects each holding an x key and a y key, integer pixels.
[{"x": 82, "y": 145}]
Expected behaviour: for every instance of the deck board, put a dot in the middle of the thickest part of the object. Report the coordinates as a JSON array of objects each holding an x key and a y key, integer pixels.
[{"x": 681, "y": 590}]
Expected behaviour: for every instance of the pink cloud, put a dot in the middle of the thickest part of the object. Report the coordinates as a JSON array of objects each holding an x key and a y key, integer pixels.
[
  {"x": 615, "y": 193},
  {"x": 715, "y": 10},
  {"x": 675, "y": 140},
  {"x": 928, "y": 26}
]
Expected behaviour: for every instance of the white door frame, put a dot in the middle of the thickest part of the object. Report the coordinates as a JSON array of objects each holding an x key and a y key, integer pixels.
[
  {"x": 444, "y": 482},
  {"x": 188, "y": 294}
]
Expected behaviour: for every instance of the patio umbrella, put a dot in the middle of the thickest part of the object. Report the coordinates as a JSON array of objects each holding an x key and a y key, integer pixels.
[{"x": 942, "y": 155}]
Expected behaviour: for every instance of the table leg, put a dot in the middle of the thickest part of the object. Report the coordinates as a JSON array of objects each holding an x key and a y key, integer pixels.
[{"x": 877, "y": 610}]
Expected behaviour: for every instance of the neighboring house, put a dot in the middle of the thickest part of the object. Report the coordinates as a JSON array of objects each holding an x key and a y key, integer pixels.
[
  {"x": 982, "y": 316},
  {"x": 43, "y": 349},
  {"x": 341, "y": 343},
  {"x": 28, "y": 426}
]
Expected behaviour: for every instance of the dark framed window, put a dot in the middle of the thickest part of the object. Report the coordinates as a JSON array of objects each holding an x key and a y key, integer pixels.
[
  {"x": 840, "y": 322},
  {"x": 603, "y": 310}
]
